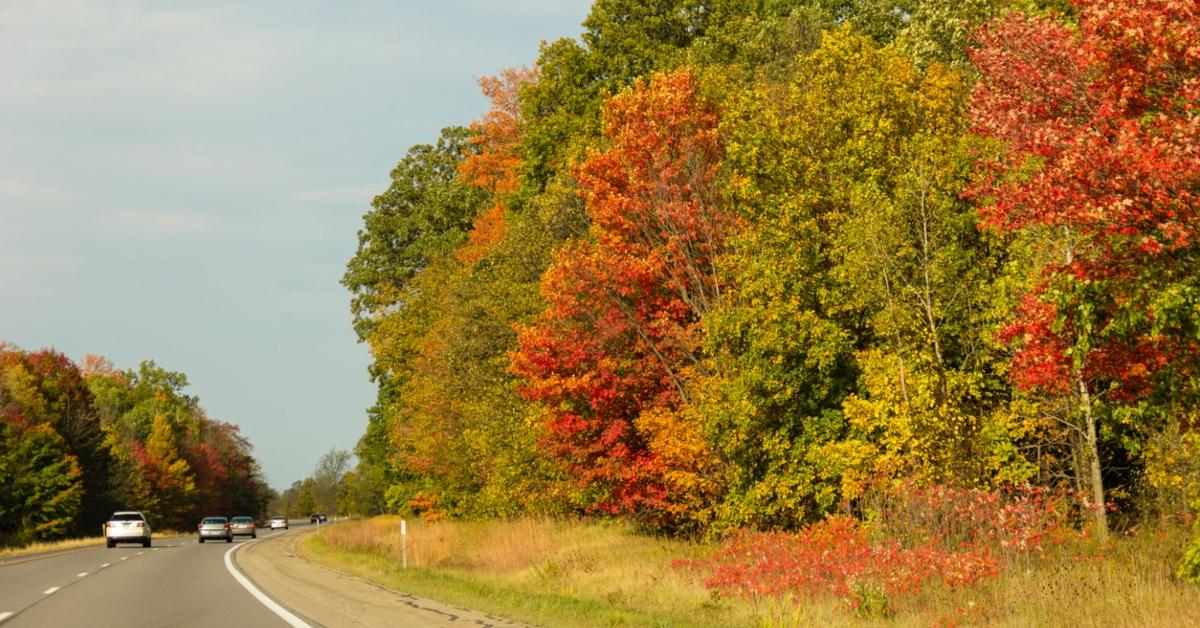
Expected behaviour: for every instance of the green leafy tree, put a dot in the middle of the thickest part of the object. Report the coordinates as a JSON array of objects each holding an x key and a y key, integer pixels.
[
  {"x": 426, "y": 212},
  {"x": 43, "y": 487},
  {"x": 306, "y": 498}
]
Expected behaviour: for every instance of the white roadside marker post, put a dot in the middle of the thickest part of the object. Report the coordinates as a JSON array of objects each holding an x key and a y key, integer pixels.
[{"x": 403, "y": 544}]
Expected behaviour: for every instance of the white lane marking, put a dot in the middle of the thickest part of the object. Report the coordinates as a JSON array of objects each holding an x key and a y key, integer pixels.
[
  {"x": 80, "y": 575},
  {"x": 283, "y": 613},
  {"x": 140, "y": 553},
  {"x": 124, "y": 558},
  {"x": 105, "y": 565},
  {"x": 4, "y": 616},
  {"x": 50, "y": 590}
]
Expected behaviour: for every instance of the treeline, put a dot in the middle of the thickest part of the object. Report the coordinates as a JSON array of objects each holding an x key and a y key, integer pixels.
[
  {"x": 728, "y": 264},
  {"x": 328, "y": 490},
  {"x": 78, "y": 442}
]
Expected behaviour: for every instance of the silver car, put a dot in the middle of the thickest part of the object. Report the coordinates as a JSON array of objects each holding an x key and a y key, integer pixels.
[
  {"x": 242, "y": 526},
  {"x": 215, "y": 528},
  {"x": 279, "y": 521},
  {"x": 129, "y": 526}
]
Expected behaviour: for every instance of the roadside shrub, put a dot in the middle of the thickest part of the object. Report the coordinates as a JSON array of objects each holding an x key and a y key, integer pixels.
[
  {"x": 913, "y": 538},
  {"x": 1189, "y": 567},
  {"x": 1012, "y": 522}
]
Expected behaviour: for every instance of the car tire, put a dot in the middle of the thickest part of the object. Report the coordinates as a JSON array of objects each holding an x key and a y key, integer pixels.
[
  {"x": 201, "y": 539},
  {"x": 146, "y": 543},
  {"x": 229, "y": 539},
  {"x": 111, "y": 543},
  {"x": 254, "y": 536}
]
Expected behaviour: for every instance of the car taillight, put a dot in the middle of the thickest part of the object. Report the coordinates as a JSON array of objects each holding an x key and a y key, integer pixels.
[
  {"x": 112, "y": 524},
  {"x": 140, "y": 524}
]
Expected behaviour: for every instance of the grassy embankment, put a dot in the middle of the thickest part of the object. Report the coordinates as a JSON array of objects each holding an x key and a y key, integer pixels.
[{"x": 589, "y": 574}]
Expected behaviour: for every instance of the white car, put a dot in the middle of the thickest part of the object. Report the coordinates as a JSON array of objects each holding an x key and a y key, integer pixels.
[
  {"x": 128, "y": 526},
  {"x": 279, "y": 521}
]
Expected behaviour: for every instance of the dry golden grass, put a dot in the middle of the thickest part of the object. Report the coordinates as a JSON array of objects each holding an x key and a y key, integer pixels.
[
  {"x": 70, "y": 544},
  {"x": 586, "y": 573},
  {"x": 1130, "y": 584},
  {"x": 51, "y": 546},
  {"x": 551, "y": 572}
]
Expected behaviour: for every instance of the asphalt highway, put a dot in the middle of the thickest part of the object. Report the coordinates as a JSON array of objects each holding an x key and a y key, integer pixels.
[{"x": 175, "y": 582}]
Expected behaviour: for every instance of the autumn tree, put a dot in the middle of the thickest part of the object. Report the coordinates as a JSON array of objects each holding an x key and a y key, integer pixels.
[
  {"x": 620, "y": 333},
  {"x": 425, "y": 212},
  {"x": 42, "y": 482},
  {"x": 1097, "y": 167},
  {"x": 46, "y": 387}
]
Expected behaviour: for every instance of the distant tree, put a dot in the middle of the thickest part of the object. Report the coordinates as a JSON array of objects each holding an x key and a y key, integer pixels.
[
  {"x": 327, "y": 479},
  {"x": 306, "y": 500}
]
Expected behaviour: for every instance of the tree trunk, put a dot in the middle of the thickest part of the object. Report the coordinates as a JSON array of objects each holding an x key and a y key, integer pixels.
[{"x": 1092, "y": 451}]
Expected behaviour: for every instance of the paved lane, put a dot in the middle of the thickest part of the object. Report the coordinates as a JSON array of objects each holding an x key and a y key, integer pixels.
[{"x": 177, "y": 582}]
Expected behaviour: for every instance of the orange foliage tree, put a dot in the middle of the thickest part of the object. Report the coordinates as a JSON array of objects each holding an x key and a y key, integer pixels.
[{"x": 610, "y": 356}]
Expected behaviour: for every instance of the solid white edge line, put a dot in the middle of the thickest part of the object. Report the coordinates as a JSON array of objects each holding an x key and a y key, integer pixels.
[
  {"x": 50, "y": 590},
  {"x": 271, "y": 605}
]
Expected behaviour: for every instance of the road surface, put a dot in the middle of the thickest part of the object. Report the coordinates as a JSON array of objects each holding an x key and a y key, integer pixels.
[
  {"x": 179, "y": 582},
  {"x": 176, "y": 582}
]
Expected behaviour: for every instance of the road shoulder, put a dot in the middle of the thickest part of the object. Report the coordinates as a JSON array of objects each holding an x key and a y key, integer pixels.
[{"x": 332, "y": 598}]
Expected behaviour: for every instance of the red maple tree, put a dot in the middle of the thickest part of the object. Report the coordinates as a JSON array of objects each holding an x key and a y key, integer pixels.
[
  {"x": 1100, "y": 156},
  {"x": 620, "y": 329}
]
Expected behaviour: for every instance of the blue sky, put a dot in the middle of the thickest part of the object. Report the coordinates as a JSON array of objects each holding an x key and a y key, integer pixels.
[{"x": 183, "y": 182}]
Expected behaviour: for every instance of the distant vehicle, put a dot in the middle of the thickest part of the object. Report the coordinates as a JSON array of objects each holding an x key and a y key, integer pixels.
[
  {"x": 129, "y": 526},
  {"x": 215, "y": 528},
  {"x": 242, "y": 526},
  {"x": 318, "y": 518},
  {"x": 279, "y": 521}
]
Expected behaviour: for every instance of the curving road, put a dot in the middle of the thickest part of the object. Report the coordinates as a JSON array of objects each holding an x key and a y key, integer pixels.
[{"x": 176, "y": 582}]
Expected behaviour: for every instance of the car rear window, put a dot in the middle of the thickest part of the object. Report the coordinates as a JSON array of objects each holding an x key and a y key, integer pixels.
[
  {"x": 242, "y": 520},
  {"x": 214, "y": 520},
  {"x": 127, "y": 516}
]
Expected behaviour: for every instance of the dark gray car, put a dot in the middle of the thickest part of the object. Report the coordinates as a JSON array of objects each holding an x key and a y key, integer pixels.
[
  {"x": 215, "y": 528},
  {"x": 242, "y": 526}
]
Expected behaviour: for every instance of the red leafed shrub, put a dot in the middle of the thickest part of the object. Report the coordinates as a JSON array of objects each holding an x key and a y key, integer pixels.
[
  {"x": 1011, "y": 521},
  {"x": 830, "y": 556},
  {"x": 918, "y": 537}
]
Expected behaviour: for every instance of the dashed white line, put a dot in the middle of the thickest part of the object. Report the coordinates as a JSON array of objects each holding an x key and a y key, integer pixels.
[
  {"x": 80, "y": 575},
  {"x": 105, "y": 565},
  {"x": 140, "y": 553},
  {"x": 50, "y": 590},
  {"x": 124, "y": 558},
  {"x": 4, "y": 616}
]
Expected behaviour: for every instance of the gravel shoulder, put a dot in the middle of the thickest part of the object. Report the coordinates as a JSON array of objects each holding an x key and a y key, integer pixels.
[{"x": 328, "y": 597}]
